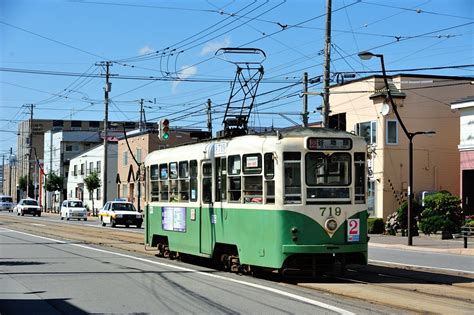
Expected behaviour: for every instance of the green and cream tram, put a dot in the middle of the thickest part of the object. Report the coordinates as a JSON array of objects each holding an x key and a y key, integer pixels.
[{"x": 287, "y": 201}]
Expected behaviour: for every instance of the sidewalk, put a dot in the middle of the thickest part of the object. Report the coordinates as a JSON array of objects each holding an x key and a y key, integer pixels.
[{"x": 423, "y": 243}]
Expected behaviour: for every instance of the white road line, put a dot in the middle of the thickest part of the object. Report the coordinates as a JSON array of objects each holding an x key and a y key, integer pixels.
[
  {"x": 419, "y": 266},
  {"x": 253, "y": 285},
  {"x": 37, "y": 224}
]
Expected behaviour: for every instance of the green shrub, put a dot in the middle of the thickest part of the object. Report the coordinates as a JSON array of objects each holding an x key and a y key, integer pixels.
[
  {"x": 442, "y": 213},
  {"x": 375, "y": 226},
  {"x": 403, "y": 215}
]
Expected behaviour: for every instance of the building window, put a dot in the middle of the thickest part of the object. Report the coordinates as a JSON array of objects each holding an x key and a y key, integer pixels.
[
  {"x": 372, "y": 185},
  {"x": 94, "y": 125},
  {"x": 99, "y": 167},
  {"x": 125, "y": 191},
  {"x": 76, "y": 125},
  {"x": 368, "y": 130},
  {"x": 125, "y": 158},
  {"x": 75, "y": 170},
  {"x": 91, "y": 167},
  {"x": 392, "y": 132},
  {"x": 83, "y": 166},
  {"x": 138, "y": 155},
  {"x": 72, "y": 148}
]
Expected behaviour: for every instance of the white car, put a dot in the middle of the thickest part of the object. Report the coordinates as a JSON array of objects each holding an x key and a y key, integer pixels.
[
  {"x": 28, "y": 206},
  {"x": 120, "y": 212},
  {"x": 73, "y": 209}
]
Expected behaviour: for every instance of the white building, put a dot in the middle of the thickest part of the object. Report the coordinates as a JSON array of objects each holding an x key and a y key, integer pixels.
[
  {"x": 59, "y": 148},
  {"x": 82, "y": 165}
]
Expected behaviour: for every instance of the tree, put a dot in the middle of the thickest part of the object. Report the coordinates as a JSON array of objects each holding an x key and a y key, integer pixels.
[
  {"x": 53, "y": 183},
  {"x": 403, "y": 216},
  {"x": 92, "y": 182},
  {"x": 442, "y": 212},
  {"x": 22, "y": 184}
]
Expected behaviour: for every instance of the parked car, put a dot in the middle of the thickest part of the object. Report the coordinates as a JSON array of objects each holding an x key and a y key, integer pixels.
[
  {"x": 28, "y": 206},
  {"x": 6, "y": 203},
  {"x": 120, "y": 212},
  {"x": 73, "y": 209}
]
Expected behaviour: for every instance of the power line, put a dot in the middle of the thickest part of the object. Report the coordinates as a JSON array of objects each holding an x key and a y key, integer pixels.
[{"x": 52, "y": 40}]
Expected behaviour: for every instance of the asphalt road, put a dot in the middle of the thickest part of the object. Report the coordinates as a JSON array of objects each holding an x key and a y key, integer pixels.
[
  {"x": 425, "y": 259},
  {"x": 47, "y": 276},
  {"x": 385, "y": 254}
]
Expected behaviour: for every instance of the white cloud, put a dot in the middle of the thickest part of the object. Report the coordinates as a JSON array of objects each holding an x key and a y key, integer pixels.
[
  {"x": 185, "y": 72},
  {"x": 212, "y": 47},
  {"x": 146, "y": 50}
]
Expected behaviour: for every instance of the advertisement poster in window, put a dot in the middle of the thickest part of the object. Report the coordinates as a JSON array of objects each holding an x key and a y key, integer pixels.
[
  {"x": 252, "y": 161},
  {"x": 173, "y": 219}
]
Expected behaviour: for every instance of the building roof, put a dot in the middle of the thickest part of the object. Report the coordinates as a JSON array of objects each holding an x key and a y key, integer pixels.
[
  {"x": 393, "y": 91},
  {"x": 463, "y": 102},
  {"x": 80, "y": 136},
  {"x": 408, "y": 75}
]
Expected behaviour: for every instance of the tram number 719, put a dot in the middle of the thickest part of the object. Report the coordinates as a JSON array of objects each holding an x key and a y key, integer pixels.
[{"x": 337, "y": 211}]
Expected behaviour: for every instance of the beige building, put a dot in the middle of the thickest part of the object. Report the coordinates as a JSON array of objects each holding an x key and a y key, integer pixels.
[
  {"x": 424, "y": 105},
  {"x": 38, "y": 128},
  {"x": 142, "y": 143}
]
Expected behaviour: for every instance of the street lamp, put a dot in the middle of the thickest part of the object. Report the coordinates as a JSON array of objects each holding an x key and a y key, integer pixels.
[{"x": 366, "y": 55}]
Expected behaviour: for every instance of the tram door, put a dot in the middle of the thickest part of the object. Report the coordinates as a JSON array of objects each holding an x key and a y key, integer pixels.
[{"x": 206, "y": 217}]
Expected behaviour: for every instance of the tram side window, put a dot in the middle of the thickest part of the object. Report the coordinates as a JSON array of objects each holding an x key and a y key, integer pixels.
[
  {"x": 207, "y": 182},
  {"x": 292, "y": 166},
  {"x": 173, "y": 183},
  {"x": 221, "y": 178},
  {"x": 173, "y": 170},
  {"x": 183, "y": 181},
  {"x": 154, "y": 191},
  {"x": 360, "y": 177},
  {"x": 269, "y": 173},
  {"x": 253, "y": 189},
  {"x": 193, "y": 182},
  {"x": 164, "y": 182},
  {"x": 235, "y": 186}
]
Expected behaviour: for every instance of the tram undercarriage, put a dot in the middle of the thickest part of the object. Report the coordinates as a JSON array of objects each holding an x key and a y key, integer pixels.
[{"x": 225, "y": 257}]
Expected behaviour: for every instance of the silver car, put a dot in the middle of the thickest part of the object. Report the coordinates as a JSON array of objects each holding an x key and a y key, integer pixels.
[
  {"x": 6, "y": 203},
  {"x": 73, "y": 209}
]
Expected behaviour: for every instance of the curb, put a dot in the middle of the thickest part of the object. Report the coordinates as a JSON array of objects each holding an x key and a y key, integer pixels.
[{"x": 457, "y": 251}]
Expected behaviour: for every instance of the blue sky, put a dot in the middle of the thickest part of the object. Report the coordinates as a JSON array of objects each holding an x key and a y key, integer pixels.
[{"x": 50, "y": 50}]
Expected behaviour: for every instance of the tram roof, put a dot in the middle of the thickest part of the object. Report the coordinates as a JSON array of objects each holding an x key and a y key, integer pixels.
[{"x": 294, "y": 132}]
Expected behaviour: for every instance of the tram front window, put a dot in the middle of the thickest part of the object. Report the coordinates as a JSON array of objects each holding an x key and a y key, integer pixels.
[
  {"x": 323, "y": 172},
  {"x": 328, "y": 170}
]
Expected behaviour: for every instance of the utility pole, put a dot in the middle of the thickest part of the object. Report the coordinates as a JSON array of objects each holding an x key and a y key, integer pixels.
[
  {"x": 142, "y": 116},
  {"x": 30, "y": 140},
  {"x": 305, "y": 99},
  {"x": 3, "y": 174},
  {"x": 35, "y": 178},
  {"x": 107, "y": 89},
  {"x": 327, "y": 63},
  {"x": 209, "y": 117},
  {"x": 10, "y": 172}
]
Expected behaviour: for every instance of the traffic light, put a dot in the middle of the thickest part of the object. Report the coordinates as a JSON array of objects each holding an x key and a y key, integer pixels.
[{"x": 164, "y": 132}]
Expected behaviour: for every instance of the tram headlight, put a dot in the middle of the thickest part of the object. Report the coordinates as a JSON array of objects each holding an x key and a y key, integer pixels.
[{"x": 331, "y": 224}]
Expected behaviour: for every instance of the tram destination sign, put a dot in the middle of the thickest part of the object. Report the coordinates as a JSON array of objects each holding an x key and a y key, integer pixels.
[{"x": 329, "y": 144}]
